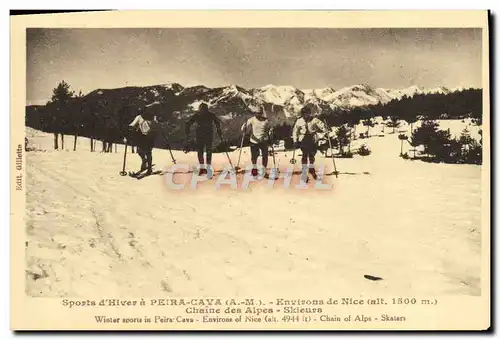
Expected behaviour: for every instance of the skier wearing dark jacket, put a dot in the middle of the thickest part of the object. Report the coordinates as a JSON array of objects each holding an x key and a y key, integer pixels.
[{"x": 205, "y": 120}]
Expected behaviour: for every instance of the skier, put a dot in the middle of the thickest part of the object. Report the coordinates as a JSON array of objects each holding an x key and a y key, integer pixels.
[
  {"x": 305, "y": 136},
  {"x": 258, "y": 127},
  {"x": 204, "y": 120},
  {"x": 142, "y": 132}
]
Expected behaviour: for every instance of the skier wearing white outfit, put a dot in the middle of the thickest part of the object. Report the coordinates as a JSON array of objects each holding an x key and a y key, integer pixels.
[
  {"x": 143, "y": 134},
  {"x": 305, "y": 136},
  {"x": 259, "y": 129}
]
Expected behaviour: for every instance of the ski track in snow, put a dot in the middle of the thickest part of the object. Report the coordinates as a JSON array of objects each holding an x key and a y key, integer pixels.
[{"x": 416, "y": 225}]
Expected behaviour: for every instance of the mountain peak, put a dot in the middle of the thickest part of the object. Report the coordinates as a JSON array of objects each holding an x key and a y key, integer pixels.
[
  {"x": 281, "y": 87},
  {"x": 361, "y": 87},
  {"x": 234, "y": 88},
  {"x": 267, "y": 87},
  {"x": 176, "y": 87},
  {"x": 440, "y": 89}
]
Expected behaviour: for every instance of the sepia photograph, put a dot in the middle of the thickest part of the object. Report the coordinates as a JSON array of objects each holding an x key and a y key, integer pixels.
[{"x": 279, "y": 175}]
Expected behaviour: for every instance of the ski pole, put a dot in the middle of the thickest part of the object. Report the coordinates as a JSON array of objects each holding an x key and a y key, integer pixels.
[
  {"x": 168, "y": 147},
  {"x": 272, "y": 148},
  {"x": 241, "y": 147},
  {"x": 275, "y": 169},
  {"x": 293, "y": 160},
  {"x": 225, "y": 151},
  {"x": 331, "y": 149},
  {"x": 123, "y": 173}
]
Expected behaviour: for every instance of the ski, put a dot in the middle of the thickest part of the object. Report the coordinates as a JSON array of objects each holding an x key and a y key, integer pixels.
[
  {"x": 137, "y": 173},
  {"x": 336, "y": 173},
  {"x": 216, "y": 173},
  {"x": 133, "y": 174},
  {"x": 158, "y": 172},
  {"x": 240, "y": 171}
]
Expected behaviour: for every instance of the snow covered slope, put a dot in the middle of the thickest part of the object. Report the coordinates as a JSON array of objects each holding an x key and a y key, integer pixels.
[
  {"x": 289, "y": 97},
  {"x": 90, "y": 229}
]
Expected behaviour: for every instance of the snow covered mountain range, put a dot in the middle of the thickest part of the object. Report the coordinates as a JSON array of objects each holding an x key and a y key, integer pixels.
[
  {"x": 109, "y": 111},
  {"x": 290, "y": 100}
]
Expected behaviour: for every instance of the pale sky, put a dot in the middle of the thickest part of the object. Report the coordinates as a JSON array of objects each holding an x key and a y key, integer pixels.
[{"x": 305, "y": 58}]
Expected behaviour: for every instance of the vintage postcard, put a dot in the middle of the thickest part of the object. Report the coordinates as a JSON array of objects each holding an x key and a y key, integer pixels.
[{"x": 250, "y": 170}]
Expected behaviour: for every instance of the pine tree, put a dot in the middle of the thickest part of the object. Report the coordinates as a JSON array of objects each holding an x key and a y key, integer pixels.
[
  {"x": 402, "y": 138},
  {"x": 343, "y": 139},
  {"x": 352, "y": 121},
  {"x": 412, "y": 119},
  {"x": 394, "y": 123},
  {"x": 423, "y": 135},
  {"x": 61, "y": 96},
  {"x": 368, "y": 122}
]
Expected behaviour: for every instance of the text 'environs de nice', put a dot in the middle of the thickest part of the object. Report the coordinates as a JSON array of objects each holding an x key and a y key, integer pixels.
[{"x": 208, "y": 302}]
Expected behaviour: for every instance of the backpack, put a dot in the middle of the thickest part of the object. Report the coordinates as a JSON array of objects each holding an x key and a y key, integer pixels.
[{"x": 145, "y": 127}]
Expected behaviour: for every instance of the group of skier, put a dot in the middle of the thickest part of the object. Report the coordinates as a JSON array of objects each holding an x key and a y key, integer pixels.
[{"x": 305, "y": 134}]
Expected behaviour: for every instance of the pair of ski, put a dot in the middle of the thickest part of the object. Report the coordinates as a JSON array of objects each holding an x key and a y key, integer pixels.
[
  {"x": 139, "y": 174},
  {"x": 274, "y": 170},
  {"x": 272, "y": 174},
  {"x": 293, "y": 160},
  {"x": 236, "y": 171},
  {"x": 144, "y": 173}
]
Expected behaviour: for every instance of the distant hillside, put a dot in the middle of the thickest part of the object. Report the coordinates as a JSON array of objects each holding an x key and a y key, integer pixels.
[{"x": 106, "y": 112}]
